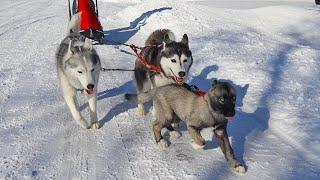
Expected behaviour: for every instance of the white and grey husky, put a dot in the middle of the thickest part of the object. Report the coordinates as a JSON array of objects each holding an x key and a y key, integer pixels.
[
  {"x": 174, "y": 58},
  {"x": 78, "y": 67}
]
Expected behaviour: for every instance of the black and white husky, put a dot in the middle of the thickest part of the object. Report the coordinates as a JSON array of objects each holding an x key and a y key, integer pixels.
[
  {"x": 78, "y": 67},
  {"x": 174, "y": 58}
]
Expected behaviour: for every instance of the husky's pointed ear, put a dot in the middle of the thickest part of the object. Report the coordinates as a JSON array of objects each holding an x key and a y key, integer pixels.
[
  {"x": 167, "y": 39},
  {"x": 185, "y": 40},
  {"x": 163, "y": 46},
  {"x": 70, "y": 51},
  {"x": 87, "y": 45}
]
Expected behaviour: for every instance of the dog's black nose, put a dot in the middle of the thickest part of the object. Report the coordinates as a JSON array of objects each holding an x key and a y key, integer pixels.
[
  {"x": 182, "y": 74},
  {"x": 90, "y": 86}
]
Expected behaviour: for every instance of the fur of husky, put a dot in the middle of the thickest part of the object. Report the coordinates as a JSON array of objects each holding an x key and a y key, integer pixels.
[
  {"x": 174, "y": 103},
  {"x": 78, "y": 67},
  {"x": 173, "y": 57}
]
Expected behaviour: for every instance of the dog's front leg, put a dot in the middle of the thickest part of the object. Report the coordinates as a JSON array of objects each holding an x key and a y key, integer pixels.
[
  {"x": 71, "y": 100},
  {"x": 198, "y": 141},
  {"x": 224, "y": 143},
  {"x": 141, "y": 110},
  {"x": 92, "y": 100}
]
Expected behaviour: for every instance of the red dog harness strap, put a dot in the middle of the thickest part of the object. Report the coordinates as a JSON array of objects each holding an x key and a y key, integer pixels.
[{"x": 144, "y": 61}]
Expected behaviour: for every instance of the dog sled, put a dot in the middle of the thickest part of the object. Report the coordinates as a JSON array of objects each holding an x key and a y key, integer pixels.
[{"x": 90, "y": 25}]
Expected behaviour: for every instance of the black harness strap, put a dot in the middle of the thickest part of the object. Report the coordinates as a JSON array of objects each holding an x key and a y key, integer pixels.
[
  {"x": 97, "y": 12},
  {"x": 117, "y": 69}
]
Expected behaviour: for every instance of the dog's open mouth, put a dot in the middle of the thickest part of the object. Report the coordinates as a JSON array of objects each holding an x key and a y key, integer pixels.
[
  {"x": 179, "y": 80},
  {"x": 90, "y": 91},
  {"x": 229, "y": 116}
]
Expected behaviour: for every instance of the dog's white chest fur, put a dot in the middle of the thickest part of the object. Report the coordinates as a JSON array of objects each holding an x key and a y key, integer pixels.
[{"x": 161, "y": 80}]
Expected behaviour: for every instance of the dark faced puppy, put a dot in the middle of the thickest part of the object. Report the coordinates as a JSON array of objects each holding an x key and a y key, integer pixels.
[
  {"x": 223, "y": 98},
  {"x": 198, "y": 112}
]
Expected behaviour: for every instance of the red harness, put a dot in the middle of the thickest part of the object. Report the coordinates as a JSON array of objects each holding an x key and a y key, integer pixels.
[
  {"x": 201, "y": 93},
  {"x": 150, "y": 66}
]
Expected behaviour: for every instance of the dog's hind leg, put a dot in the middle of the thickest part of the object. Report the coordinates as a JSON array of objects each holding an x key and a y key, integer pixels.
[
  {"x": 92, "y": 100},
  {"x": 172, "y": 131},
  {"x": 223, "y": 141},
  {"x": 143, "y": 84},
  {"x": 198, "y": 141},
  {"x": 157, "y": 127}
]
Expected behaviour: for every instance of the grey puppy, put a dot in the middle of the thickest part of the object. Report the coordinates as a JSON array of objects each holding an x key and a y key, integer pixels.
[{"x": 173, "y": 102}]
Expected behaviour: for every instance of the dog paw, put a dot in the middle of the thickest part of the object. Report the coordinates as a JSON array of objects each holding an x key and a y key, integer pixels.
[
  {"x": 175, "y": 134},
  {"x": 197, "y": 146},
  {"x": 83, "y": 124},
  {"x": 240, "y": 169},
  {"x": 163, "y": 143},
  {"x": 95, "y": 125},
  {"x": 141, "y": 111},
  {"x": 175, "y": 125}
]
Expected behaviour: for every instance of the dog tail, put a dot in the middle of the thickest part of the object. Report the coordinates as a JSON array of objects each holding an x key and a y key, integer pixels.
[
  {"x": 142, "y": 97},
  {"x": 74, "y": 24}
]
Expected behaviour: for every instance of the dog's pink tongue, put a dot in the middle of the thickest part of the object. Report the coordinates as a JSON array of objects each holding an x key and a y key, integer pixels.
[
  {"x": 230, "y": 118},
  {"x": 90, "y": 91}
]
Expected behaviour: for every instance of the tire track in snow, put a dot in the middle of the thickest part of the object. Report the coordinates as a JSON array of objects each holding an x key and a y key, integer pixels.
[
  {"x": 14, "y": 73},
  {"x": 125, "y": 147},
  {"x": 31, "y": 22},
  {"x": 75, "y": 154},
  {"x": 14, "y": 5}
]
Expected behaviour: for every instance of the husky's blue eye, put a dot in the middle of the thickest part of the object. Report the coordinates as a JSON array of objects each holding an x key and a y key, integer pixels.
[
  {"x": 173, "y": 60},
  {"x": 80, "y": 72}
]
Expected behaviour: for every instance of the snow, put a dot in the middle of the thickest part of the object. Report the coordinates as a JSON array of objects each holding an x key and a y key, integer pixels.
[{"x": 270, "y": 50}]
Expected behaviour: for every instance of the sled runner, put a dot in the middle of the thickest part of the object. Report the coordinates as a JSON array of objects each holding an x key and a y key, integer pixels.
[{"x": 90, "y": 25}]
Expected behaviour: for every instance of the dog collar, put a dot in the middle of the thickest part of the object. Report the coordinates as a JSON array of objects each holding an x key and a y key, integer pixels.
[{"x": 194, "y": 89}]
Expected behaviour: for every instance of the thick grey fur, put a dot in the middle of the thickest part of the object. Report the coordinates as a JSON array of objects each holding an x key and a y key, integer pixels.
[
  {"x": 173, "y": 103},
  {"x": 145, "y": 79}
]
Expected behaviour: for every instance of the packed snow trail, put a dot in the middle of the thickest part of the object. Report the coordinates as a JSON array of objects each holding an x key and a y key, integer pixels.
[{"x": 270, "y": 51}]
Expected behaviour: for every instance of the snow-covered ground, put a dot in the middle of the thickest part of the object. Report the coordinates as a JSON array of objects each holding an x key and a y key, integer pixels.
[{"x": 270, "y": 50}]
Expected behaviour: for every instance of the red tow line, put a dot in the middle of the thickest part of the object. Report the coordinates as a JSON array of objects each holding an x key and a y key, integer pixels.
[{"x": 150, "y": 66}]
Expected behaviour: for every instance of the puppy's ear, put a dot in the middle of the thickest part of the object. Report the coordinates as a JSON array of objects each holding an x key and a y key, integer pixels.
[
  {"x": 214, "y": 82},
  {"x": 185, "y": 40}
]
